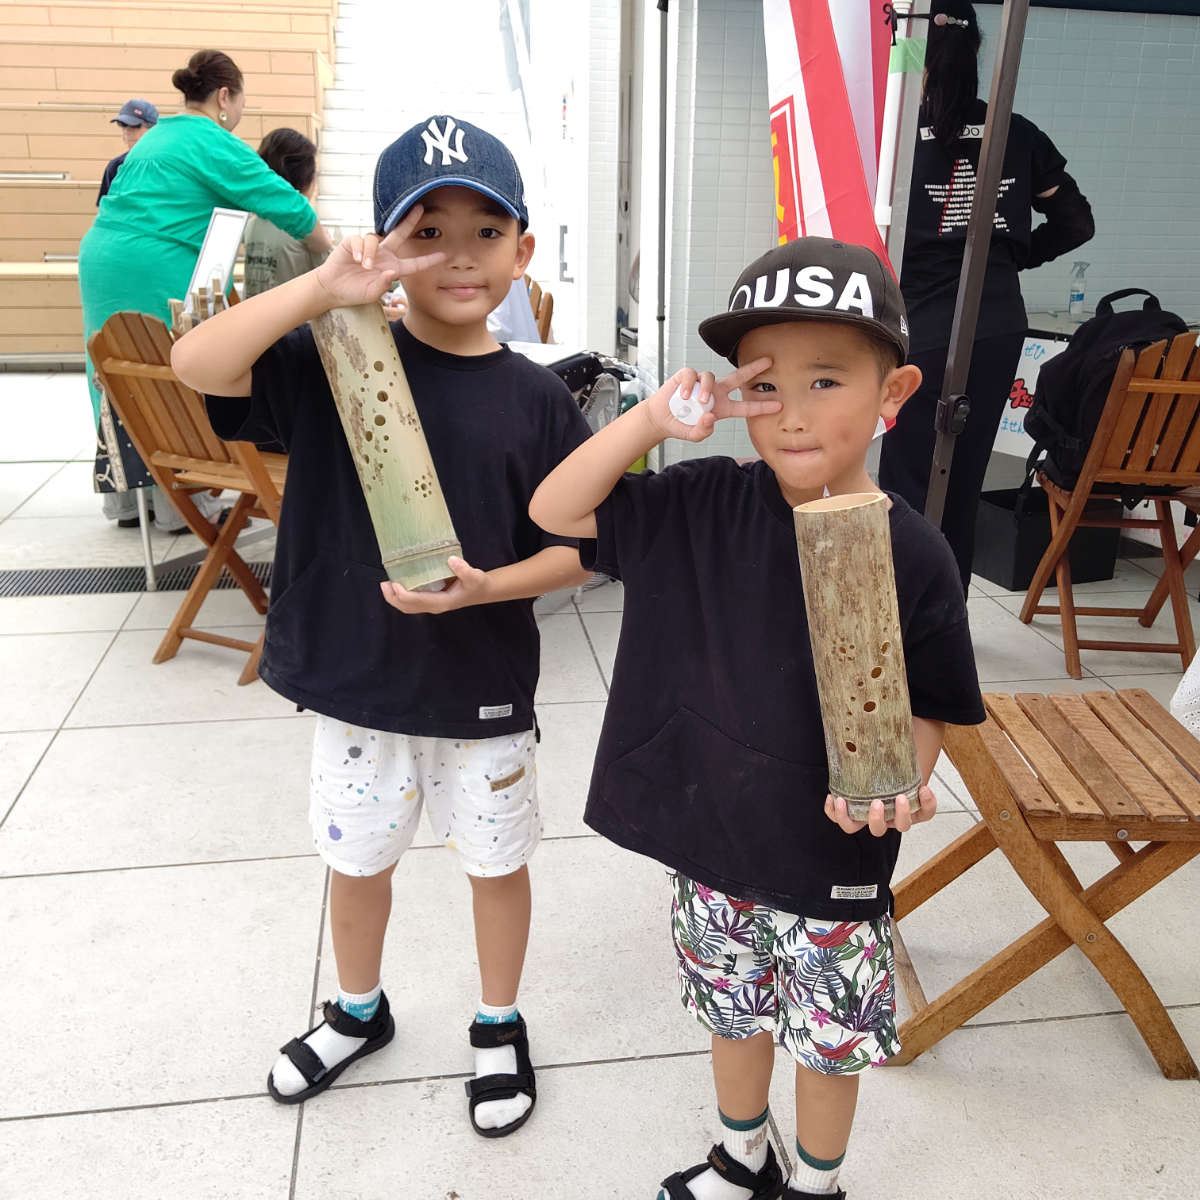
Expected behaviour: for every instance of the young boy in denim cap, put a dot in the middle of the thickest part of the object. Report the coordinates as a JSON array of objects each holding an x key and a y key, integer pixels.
[
  {"x": 712, "y": 755},
  {"x": 431, "y": 703}
]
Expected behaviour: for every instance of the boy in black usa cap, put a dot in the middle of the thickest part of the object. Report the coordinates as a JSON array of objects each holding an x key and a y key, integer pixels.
[
  {"x": 421, "y": 698},
  {"x": 712, "y": 756}
]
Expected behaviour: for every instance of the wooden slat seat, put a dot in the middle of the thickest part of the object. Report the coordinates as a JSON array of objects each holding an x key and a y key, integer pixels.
[
  {"x": 1043, "y": 770},
  {"x": 39, "y": 311},
  {"x": 169, "y": 427},
  {"x": 1148, "y": 437},
  {"x": 542, "y": 304}
]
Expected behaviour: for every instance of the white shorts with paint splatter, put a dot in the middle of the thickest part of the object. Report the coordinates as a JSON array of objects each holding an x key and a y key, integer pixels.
[{"x": 367, "y": 789}]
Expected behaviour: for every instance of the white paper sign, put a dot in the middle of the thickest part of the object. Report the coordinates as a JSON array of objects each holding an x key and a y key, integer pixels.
[{"x": 1011, "y": 437}]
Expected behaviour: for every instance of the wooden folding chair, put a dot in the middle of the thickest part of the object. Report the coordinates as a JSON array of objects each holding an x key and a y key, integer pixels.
[
  {"x": 169, "y": 428},
  {"x": 1113, "y": 767},
  {"x": 542, "y": 304},
  {"x": 1148, "y": 437}
]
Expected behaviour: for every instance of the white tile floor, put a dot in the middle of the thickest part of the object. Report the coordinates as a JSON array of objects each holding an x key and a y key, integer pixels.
[{"x": 161, "y": 936}]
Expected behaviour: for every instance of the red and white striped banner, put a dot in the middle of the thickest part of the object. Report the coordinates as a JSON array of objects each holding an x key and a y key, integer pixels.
[{"x": 827, "y": 65}]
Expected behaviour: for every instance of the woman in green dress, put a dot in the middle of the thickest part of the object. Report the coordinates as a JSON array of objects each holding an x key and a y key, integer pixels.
[{"x": 142, "y": 248}]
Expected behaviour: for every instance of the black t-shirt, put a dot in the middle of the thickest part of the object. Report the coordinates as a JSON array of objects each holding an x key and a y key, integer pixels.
[
  {"x": 939, "y": 207},
  {"x": 712, "y": 755},
  {"x": 110, "y": 173},
  {"x": 496, "y": 425}
]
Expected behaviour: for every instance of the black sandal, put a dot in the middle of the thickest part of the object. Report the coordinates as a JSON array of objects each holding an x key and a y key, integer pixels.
[
  {"x": 378, "y": 1031},
  {"x": 766, "y": 1184},
  {"x": 790, "y": 1193},
  {"x": 490, "y": 1036}
]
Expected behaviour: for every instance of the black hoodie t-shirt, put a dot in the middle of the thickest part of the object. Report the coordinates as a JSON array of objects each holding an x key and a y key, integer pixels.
[
  {"x": 712, "y": 755},
  {"x": 496, "y": 425},
  {"x": 939, "y": 207}
]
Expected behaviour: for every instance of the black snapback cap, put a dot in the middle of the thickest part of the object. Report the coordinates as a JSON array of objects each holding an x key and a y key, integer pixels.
[{"x": 811, "y": 279}]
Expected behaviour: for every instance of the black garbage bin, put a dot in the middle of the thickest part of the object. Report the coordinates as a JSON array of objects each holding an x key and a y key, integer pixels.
[{"x": 1008, "y": 549}]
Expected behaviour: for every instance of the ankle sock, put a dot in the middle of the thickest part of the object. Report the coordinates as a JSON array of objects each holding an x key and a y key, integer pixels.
[
  {"x": 327, "y": 1044},
  {"x": 498, "y": 1060},
  {"x": 362, "y": 1005},
  {"x": 815, "y": 1175},
  {"x": 745, "y": 1141},
  {"x": 496, "y": 1014}
]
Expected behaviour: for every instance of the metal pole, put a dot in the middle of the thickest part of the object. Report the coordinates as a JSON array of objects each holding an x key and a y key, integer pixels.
[
  {"x": 953, "y": 407},
  {"x": 662, "y": 191},
  {"x": 143, "y": 508}
]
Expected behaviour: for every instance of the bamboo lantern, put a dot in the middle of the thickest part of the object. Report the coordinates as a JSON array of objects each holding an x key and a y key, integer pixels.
[
  {"x": 385, "y": 438},
  {"x": 845, "y": 549}
]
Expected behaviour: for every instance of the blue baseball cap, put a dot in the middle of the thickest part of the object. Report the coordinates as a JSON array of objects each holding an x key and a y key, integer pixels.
[
  {"x": 445, "y": 152},
  {"x": 136, "y": 112}
]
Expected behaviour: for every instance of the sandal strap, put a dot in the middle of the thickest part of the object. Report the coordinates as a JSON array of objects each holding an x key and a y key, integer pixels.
[
  {"x": 500, "y": 1087},
  {"x": 489, "y": 1035},
  {"x": 790, "y": 1193},
  {"x": 759, "y": 1182},
  {"x": 342, "y": 1022},
  {"x": 305, "y": 1059},
  {"x": 766, "y": 1184}
]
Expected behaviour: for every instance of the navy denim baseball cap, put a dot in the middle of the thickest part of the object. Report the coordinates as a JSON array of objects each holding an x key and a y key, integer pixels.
[
  {"x": 136, "y": 112},
  {"x": 445, "y": 152}
]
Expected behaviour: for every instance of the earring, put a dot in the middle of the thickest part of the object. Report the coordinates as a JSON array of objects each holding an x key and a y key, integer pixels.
[{"x": 224, "y": 116}]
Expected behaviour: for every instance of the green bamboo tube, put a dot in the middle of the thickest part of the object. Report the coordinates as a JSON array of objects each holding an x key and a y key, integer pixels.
[
  {"x": 845, "y": 549},
  {"x": 384, "y": 434}
]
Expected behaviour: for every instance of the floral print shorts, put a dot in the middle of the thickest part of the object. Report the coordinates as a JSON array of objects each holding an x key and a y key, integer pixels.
[{"x": 825, "y": 988}]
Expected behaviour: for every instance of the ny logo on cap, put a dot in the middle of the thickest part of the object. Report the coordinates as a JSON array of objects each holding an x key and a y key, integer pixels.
[{"x": 439, "y": 139}]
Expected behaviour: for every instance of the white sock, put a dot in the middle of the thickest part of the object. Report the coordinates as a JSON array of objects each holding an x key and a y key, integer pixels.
[
  {"x": 745, "y": 1141},
  {"x": 326, "y": 1043},
  {"x": 814, "y": 1175},
  {"x": 498, "y": 1060}
]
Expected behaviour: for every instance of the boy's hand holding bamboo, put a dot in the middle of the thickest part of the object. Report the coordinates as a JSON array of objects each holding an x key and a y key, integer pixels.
[
  {"x": 470, "y": 585},
  {"x": 906, "y": 816}
]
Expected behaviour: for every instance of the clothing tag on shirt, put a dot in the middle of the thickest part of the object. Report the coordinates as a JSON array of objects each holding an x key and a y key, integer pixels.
[
  {"x": 490, "y": 712},
  {"x": 866, "y": 891}
]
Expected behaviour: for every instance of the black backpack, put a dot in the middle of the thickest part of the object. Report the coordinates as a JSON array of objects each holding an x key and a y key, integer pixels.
[{"x": 1073, "y": 387}]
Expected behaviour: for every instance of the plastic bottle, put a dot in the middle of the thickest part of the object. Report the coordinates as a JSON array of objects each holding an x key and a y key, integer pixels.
[{"x": 1075, "y": 295}]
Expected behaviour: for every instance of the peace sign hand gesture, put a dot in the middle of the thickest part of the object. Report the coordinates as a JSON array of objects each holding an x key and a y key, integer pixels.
[
  {"x": 688, "y": 405},
  {"x": 363, "y": 267}
]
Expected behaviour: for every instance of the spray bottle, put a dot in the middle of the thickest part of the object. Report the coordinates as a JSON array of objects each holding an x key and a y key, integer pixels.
[{"x": 1075, "y": 295}]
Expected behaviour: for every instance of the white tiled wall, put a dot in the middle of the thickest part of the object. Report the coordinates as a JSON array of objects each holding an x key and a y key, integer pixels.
[
  {"x": 602, "y": 82},
  {"x": 1118, "y": 93},
  {"x": 720, "y": 213}
]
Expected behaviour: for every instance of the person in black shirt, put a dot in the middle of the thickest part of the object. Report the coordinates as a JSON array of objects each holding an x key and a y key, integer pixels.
[
  {"x": 135, "y": 118},
  {"x": 1034, "y": 179},
  {"x": 712, "y": 754},
  {"x": 422, "y": 697}
]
